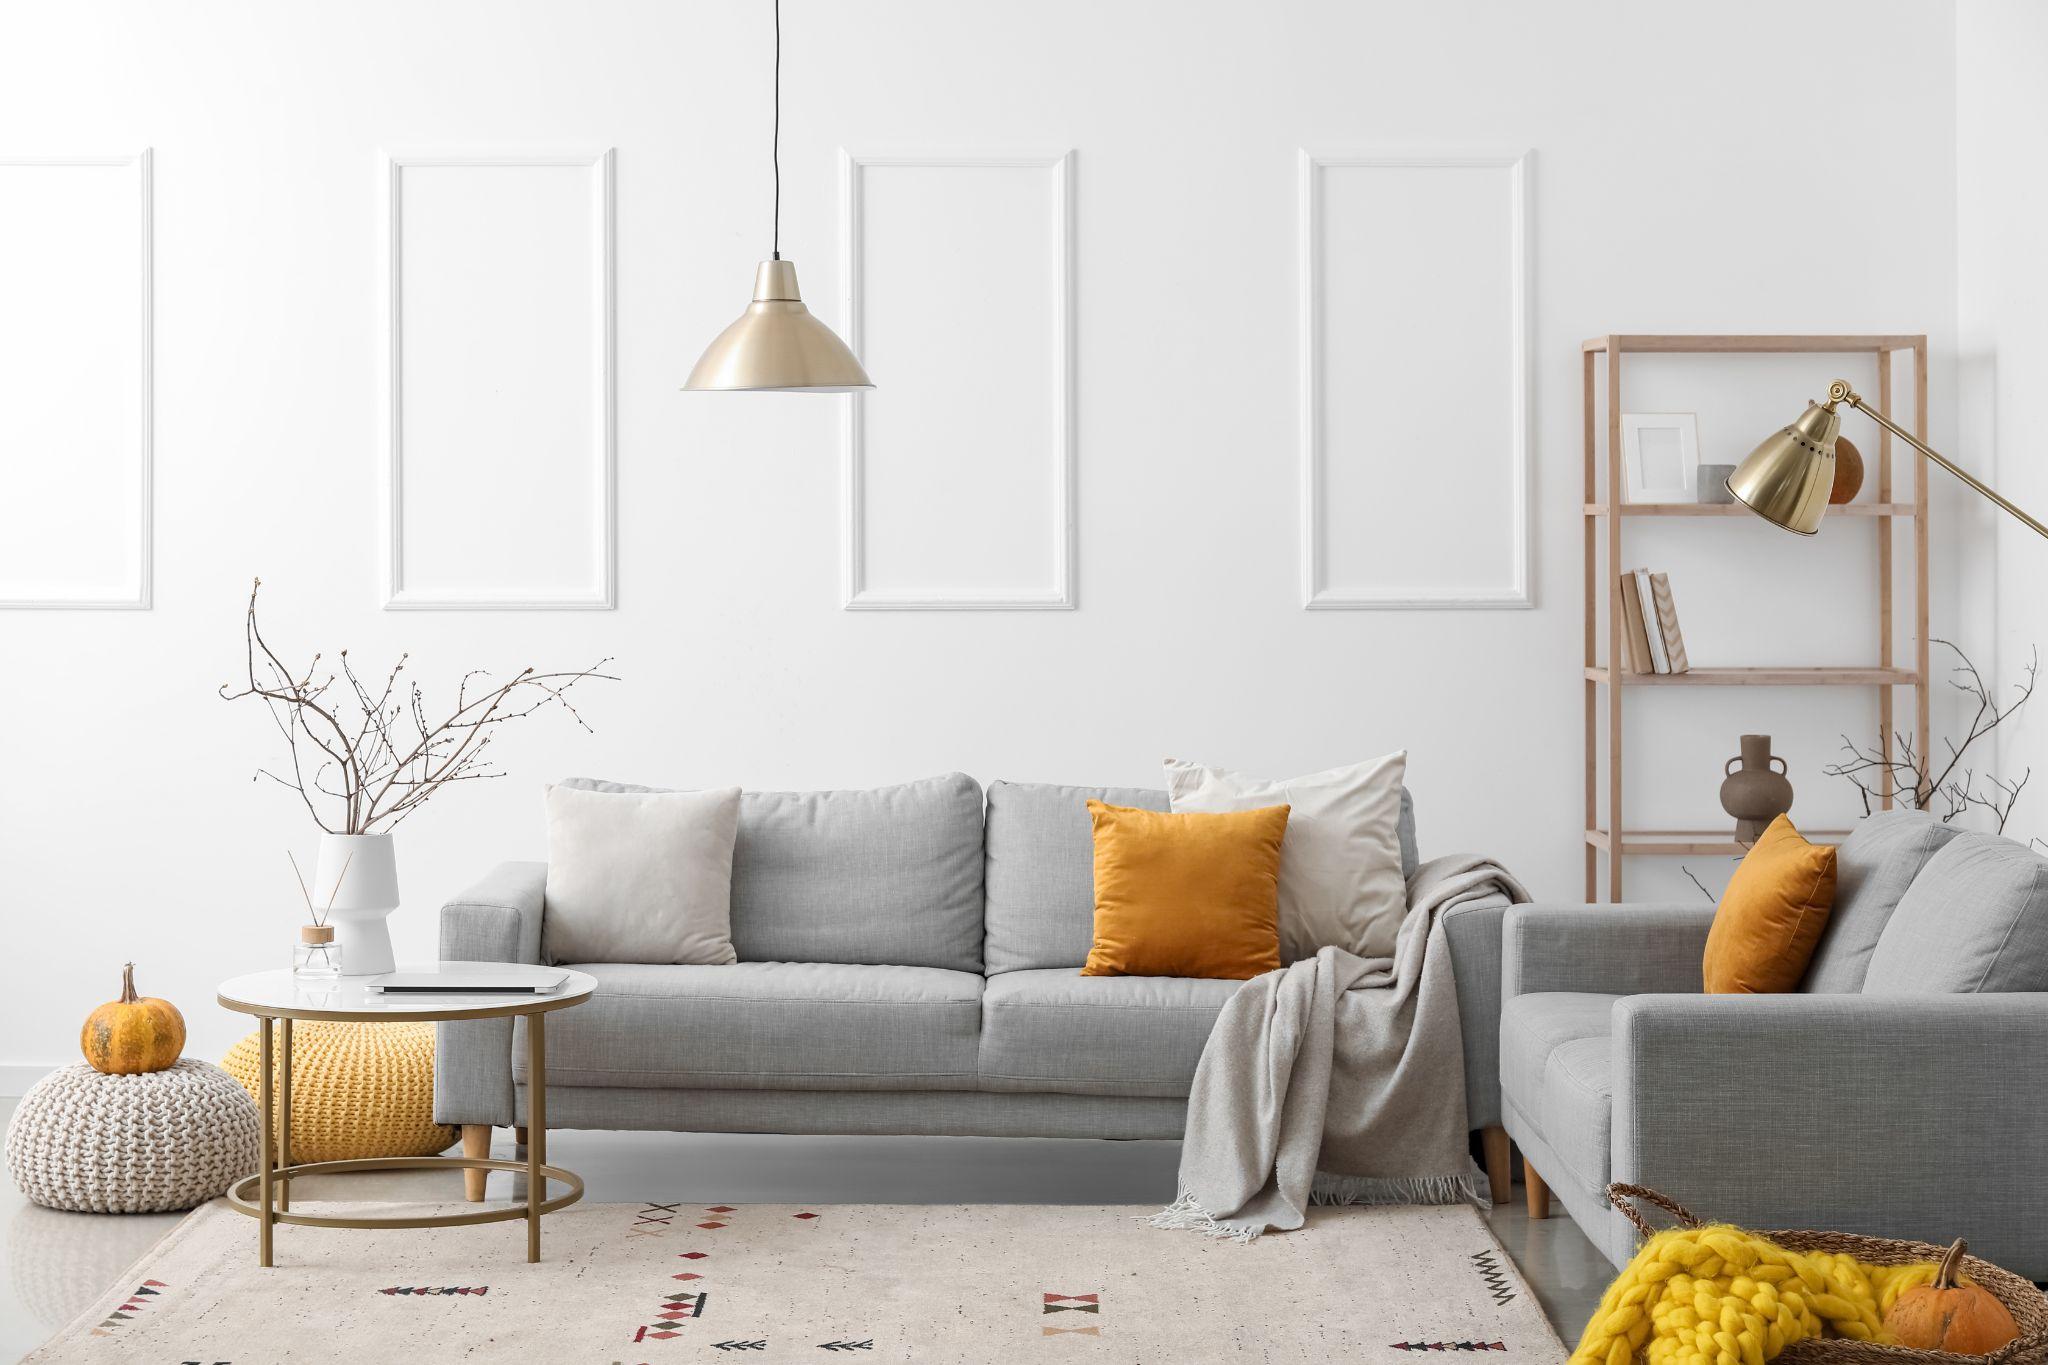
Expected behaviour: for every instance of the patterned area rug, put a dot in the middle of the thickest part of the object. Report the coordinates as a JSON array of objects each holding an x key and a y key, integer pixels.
[{"x": 672, "y": 1282}]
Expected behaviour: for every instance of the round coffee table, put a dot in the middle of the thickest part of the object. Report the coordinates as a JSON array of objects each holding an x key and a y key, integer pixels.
[{"x": 278, "y": 998}]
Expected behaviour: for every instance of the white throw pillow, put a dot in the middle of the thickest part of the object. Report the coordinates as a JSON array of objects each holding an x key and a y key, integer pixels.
[
  {"x": 1340, "y": 866},
  {"x": 640, "y": 876}
]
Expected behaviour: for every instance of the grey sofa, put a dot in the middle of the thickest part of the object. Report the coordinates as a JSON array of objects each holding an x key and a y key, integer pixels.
[
  {"x": 909, "y": 963},
  {"x": 1899, "y": 1093}
]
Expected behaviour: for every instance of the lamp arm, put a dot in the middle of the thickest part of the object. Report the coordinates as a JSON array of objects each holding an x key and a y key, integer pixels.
[{"x": 1842, "y": 393}]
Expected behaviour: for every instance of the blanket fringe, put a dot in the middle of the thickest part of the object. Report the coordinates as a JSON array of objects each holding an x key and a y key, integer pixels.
[
  {"x": 1186, "y": 1214},
  {"x": 1465, "y": 1188}
]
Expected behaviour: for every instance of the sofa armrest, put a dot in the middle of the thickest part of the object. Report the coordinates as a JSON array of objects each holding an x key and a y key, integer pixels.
[
  {"x": 496, "y": 920},
  {"x": 1898, "y": 1116},
  {"x": 1604, "y": 949},
  {"x": 1472, "y": 929}
]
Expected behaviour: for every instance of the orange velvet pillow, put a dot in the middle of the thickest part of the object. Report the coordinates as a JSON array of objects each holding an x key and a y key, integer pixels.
[
  {"x": 1186, "y": 895},
  {"x": 1771, "y": 915}
]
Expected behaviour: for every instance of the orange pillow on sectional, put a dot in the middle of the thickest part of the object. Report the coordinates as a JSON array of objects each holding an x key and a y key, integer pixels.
[
  {"x": 1186, "y": 895},
  {"x": 1771, "y": 915}
]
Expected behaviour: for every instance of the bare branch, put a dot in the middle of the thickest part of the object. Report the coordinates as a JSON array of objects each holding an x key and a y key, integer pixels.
[
  {"x": 1910, "y": 778},
  {"x": 346, "y": 749}
]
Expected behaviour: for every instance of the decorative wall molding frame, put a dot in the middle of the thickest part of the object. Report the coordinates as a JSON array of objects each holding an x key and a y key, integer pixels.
[
  {"x": 1517, "y": 592},
  {"x": 602, "y": 593},
  {"x": 1061, "y": 593},
  {"x": 140, "y": 597}
]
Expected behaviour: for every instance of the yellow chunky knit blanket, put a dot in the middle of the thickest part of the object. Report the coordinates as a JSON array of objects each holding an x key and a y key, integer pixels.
[{"x": 1720, "y": 1296}]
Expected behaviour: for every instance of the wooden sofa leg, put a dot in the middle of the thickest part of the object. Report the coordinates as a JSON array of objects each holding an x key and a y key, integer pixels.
[
  {"x": 519, "y": 1138},
  {"x": 1539, "y": 1193},
  {"x": 1499, "y": 1163},
  {"x": 476, "y": 1142}
]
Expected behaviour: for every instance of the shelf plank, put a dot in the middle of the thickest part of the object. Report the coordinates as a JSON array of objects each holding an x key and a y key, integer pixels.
[
  {"x": 1766, "y": 677},
  {"x": 1736, "y": 509},
  {"x": 1841, "y": 343},
  {"x": 1694, "y": 843}
]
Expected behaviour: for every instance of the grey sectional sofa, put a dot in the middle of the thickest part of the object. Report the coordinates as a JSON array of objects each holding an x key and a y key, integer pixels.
[
  {"x": 909, "y": 963},
  {"x": 1899, "y": 1093}
]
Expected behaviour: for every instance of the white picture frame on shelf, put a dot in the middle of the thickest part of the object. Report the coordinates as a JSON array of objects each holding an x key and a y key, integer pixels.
[{"x": 1660, "y": 456}]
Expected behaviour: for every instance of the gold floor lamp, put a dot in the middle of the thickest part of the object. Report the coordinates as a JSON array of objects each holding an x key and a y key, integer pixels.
[{"x": 1787, "y": 479}]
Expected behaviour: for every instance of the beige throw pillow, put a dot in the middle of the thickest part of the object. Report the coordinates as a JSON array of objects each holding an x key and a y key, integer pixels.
[
  {"x": 640, "y": 876},
  {"x": 1340, "y": 866}
]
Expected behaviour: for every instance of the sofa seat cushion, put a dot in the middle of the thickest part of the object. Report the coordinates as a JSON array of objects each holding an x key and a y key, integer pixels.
[
  {"x": 1975, "y": 919},
  {"x": 1554, "y": 1074},
  {"x": 767, "y": 1026},
  {"x": 1059, "y": 1032}
]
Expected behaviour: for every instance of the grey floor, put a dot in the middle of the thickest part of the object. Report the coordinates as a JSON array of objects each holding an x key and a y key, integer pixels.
[{"x": 52, "y": 1265}]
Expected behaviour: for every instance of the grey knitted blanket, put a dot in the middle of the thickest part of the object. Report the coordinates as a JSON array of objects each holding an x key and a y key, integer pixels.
[{"x": 1338, "y": 1079}]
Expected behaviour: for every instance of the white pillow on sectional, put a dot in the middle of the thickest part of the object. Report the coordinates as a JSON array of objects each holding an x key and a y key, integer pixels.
[
  {"x": 1340, "y": 866},
  {"x": 640, "y": 876}
]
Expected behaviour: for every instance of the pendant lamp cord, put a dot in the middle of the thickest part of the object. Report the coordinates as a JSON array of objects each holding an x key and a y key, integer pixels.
[{"x": 775, "y": 152}]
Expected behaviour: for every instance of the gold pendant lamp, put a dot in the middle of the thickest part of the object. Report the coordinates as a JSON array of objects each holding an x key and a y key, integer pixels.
[{"x": 776, "y": 346}]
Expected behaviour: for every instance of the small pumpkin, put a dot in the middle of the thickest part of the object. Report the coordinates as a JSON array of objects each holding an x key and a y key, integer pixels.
[
  {"x": 134, "y": 1034},
  {"x": 1951, "y": 1314}
]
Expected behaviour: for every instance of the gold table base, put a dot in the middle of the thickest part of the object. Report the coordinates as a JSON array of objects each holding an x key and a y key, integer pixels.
[
  {"x": 243, "y": 1194},
  {"x": 271, "y": 1185}
]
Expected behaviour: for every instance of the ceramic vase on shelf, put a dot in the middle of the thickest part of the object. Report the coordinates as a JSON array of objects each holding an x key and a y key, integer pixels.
[
  {"x": 1755, "y": 794},
  {"x": 364, "y": 896}
]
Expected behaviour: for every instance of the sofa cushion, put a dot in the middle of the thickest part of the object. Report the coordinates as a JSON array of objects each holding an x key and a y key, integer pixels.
[
  {"x": 1975, "y": 919},
  {"x": 639, "y": 876},
  {"x": 1873, "y": 868},
  {"x": 1770, "y": 915},
  {"x": 1554, "y": 1074},
  {"x": 887, "y": 876},
  {"x": 1054, "y": 1031},
  {"x": 1341, "y": 881},
  {"x": 1041, "y": 870},
  {"x": 768, "y": 1026},
  {"x": 1186, "y": 894}
]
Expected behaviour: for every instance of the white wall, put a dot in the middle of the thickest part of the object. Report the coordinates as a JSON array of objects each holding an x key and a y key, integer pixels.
[
  {"x": 1708, "y": 169},
  {"x": 2002, "y": 313}
]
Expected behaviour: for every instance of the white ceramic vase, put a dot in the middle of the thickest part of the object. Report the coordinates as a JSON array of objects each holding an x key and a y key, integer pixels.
[{"x": 363, "y": 898}]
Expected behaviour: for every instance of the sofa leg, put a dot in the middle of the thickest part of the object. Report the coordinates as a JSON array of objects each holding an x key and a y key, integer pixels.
[
  {"x": 1539, "y": 1193},
  {"x": 1499, "y": 1163},
  {"x": 519, "y": 1138},
  {"x": 476, "y": 1142}
]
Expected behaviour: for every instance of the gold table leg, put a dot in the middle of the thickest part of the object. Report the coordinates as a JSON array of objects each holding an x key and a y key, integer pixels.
[
  {"x": 284, "y": 1121},
  {"x": 265, "y": 1126},
  {"x": 536, "y": 1129}
]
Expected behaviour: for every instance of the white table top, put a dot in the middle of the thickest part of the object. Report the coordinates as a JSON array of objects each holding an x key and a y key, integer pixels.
[{"x": 281, "y": 995}]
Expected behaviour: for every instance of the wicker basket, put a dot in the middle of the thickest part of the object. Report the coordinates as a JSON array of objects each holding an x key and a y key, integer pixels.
[{"x": 2029, "y": 1308}]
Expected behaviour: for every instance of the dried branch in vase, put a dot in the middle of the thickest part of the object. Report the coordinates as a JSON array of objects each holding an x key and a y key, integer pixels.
[
  {"x": 1953, "y": 787},
  {"x": 363, "y": 759}
]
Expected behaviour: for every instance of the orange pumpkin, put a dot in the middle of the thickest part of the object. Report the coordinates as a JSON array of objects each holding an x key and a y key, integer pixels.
[
  {"x": 133, "y": 1034},
  {"x": 1951, "y": 1314}
]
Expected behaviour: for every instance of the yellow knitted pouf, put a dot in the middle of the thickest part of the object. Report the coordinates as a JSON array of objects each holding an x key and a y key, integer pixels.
[{"x": 358, "y": 1090}]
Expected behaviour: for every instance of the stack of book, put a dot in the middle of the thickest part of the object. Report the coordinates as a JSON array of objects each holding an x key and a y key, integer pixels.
[{"x": 1649, "y": 625}]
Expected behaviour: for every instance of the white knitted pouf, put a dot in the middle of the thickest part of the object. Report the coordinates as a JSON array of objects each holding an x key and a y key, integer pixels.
[{"x": 150, "y": 1143}]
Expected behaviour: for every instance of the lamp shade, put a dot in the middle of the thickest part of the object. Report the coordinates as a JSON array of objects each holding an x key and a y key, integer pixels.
[
  {"x": 777, "y": 346},
  {"x": 1786, "y": 480}
]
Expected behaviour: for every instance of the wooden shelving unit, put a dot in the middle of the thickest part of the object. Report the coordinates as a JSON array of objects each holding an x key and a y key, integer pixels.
[{"x": 1603, "y": 558}]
